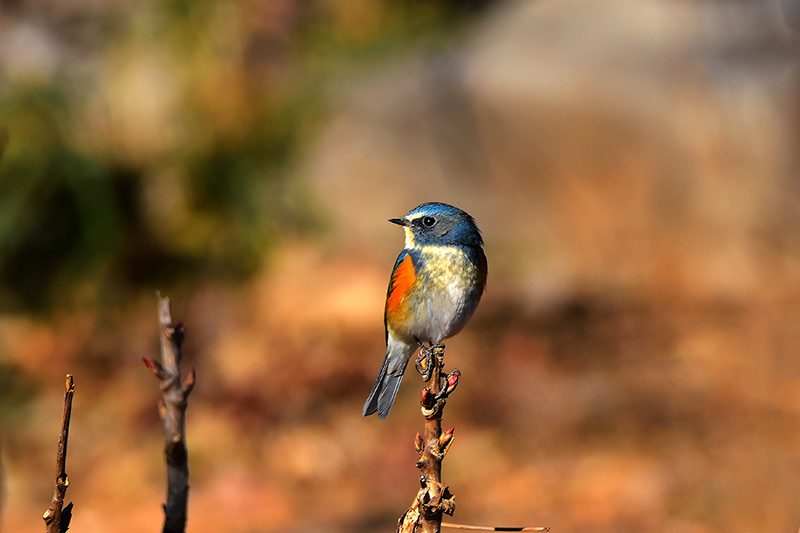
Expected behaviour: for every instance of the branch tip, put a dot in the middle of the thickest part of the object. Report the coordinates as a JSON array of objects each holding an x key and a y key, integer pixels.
[
  {"x": 172, "y": 408},
  {"x": 57, "y": 516}
]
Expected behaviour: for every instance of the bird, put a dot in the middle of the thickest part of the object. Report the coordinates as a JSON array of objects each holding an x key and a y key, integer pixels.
[{"x": 436, "y": 284}]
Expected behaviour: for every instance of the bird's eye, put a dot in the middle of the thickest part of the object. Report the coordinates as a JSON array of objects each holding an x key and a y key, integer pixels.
[{"x": 428, "y": 222}]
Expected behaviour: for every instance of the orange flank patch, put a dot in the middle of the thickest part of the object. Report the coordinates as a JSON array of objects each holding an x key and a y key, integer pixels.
[{"x": 402, "y": 279}]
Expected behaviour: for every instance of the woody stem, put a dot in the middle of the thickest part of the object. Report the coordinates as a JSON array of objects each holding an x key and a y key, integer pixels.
[
  {"x": 434, "y": 498},
  {"x": 432, "y": 466}
]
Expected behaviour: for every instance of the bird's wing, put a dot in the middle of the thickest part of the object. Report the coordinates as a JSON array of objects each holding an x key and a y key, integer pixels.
[{"x": 404, "y": 275}]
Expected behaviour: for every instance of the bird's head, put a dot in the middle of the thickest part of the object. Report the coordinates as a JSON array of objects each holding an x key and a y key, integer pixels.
[{"x": 438, "y": 223}]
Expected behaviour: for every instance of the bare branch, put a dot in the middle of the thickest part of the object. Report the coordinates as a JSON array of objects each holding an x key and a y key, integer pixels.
[
  {"x": 172, "y": 408},
  {"x": 434, "y": 498},
  {"x": 494, "y": 528},
  {"x": 57, "y": 516}
]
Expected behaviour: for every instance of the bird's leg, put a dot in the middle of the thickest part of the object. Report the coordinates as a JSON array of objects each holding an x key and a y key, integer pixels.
[
  {"x": 424, "y": 362},
  {"x": 450, "y": 384}
]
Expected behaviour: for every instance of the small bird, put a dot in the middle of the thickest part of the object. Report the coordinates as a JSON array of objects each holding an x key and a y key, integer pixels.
[{"x": 436, "y": 284}]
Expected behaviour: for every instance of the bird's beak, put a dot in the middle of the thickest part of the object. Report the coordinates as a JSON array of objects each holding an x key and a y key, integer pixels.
[{"x": 399, "y": 221}]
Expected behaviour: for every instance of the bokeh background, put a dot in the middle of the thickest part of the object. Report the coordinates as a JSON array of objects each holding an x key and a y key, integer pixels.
[{"x": 633, "y": 164}]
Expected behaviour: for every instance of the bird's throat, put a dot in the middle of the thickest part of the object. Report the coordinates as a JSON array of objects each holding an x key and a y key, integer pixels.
[{"x": 409, "y": 238}]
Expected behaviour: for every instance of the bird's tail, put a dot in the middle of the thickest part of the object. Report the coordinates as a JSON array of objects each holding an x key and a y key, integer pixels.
[{"x": 385, "y": 389}]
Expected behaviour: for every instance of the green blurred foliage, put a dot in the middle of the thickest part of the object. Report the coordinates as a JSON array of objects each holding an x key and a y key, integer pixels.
[
  {"x": 160, "y": 147},
  {"x": 58, "y": 209}
]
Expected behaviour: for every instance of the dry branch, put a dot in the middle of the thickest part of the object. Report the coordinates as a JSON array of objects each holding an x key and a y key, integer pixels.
[
  {"x": 434, "y": 498},
  {"x": 172, "y": 408},
  {"x": 57, "y": 516},
  {"x": 494, "y": 528}
]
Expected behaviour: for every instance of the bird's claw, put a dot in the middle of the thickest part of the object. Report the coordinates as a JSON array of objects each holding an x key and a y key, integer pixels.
[
  {"x": 425, "y": 362},
  {"x": 450, "y": 384}
]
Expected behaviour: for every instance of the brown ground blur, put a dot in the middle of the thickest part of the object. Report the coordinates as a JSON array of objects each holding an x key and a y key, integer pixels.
[{"x": 634, "y": 365}]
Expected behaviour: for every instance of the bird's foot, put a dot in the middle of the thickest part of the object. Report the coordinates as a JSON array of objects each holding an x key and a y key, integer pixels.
[
  {"x": 450, "y": 384},
  {"x": 425, "y": 361},
  {"x": 424, "y": 364}
]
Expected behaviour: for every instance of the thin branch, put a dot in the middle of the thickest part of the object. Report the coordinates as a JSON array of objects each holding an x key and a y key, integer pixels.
[
  {"x": 434, "y": 498},
  {"x": 175, "y": 394},
  {"x": 494, "y": 528},
  {"x": 57, "y": 517}
]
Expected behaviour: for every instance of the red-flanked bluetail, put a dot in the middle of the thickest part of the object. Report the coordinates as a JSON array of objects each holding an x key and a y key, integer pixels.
[{"x": 435, "y": 287}]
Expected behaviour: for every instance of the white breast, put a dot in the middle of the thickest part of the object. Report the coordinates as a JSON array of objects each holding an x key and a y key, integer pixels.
[{"x": 449, "y": 297}]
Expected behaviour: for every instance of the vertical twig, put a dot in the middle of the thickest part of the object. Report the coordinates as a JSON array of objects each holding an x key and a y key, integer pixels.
[
  {"x": 173, "y": 412},
  {"x": 57, "y": 517},
  {"x": 434, "y": 498}
]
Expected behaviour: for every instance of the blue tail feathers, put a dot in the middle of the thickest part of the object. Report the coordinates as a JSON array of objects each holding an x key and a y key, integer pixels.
[{"x": 384, "y": 391}]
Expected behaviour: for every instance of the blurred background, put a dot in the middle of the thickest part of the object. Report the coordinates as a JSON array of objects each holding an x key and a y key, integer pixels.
[{"x": 633, "y": 165}]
